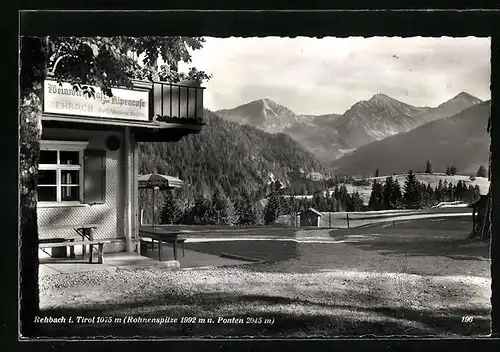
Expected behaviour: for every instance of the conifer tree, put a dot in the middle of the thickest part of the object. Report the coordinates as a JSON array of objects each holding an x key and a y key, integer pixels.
[
  {"x": 439, "y": 191},
  {"x": 448, "y": 172},
  {"x": 451, "y": 191},
  {"x": 327, "y": 199},
  {"x": 426, "y": 198},
  {"x": 197, "y": 214},
  {"x": 336, "y": 197},
  {"x": 171, "y": 212},
  {"x": 412, "y": 196},
  {"x": 453, "y": 170},
  {"x": 221, "y": 211},
  {"x": 344, "y": 199},
  {"x": 460, "y": 190},
  {"x": 357, "y": 202},
  {"x": 431, "y": 194},
  {"x": 377, "y": 173},
  {"x": 272, "y": 209},
  {"x": 245, "y": 210},
  {"x": 332, "y": 202},
  {"x": 446, "y": 191},
  {"x": 428, "y": 167},
  {"x": 482, "y": 172},
  {"x": 231, "y": 214},
  {"x": 376, "y": 201},
  {"x": 294, "y": 209},
  {"x": 388, "y": 193},
  {"x": 397, "y": 197}
]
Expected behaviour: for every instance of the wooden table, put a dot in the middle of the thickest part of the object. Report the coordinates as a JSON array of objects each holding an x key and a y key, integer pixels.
[{"x": 162, "y": 236}]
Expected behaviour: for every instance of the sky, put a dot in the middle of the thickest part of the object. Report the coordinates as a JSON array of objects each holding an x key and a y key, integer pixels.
[{"x": 328, "y": 75}]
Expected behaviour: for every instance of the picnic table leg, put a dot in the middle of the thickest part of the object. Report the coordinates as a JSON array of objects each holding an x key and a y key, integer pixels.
[
  {"x": 84, "y": 248},
  {"x": 81, "y": 232},
  {"x": 91, "y": 238},
  {"x": 71, "y": 250},
  {"x": 100, "y": 254},
  {"x": 175, "y": 249}
]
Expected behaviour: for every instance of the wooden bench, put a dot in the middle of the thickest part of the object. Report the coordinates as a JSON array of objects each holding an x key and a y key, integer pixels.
[
  {"x": 71, "y": 244},
  {"x": 83, "y": 230}
]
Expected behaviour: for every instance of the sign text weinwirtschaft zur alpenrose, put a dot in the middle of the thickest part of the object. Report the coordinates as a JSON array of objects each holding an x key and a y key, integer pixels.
[{"x": 124, "y": 104}]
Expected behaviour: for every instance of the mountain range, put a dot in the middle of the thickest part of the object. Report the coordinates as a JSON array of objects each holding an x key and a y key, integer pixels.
[
  {"x": 332, "y": 136},
  {"x": 382, "y": 132},
  {"x": 461, "y": 140}
]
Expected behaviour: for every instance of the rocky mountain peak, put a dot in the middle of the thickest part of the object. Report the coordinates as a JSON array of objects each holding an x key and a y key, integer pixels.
[
  {"x": 382, "y": 98},
  {"x": 466, "y": 97}
]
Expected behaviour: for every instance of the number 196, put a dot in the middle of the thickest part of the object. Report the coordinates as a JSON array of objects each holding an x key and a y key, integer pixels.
[{"x": 467, "y": 319}]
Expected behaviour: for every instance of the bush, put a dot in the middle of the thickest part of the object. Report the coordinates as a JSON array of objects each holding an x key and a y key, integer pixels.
[{"x": 362, "y": 182}]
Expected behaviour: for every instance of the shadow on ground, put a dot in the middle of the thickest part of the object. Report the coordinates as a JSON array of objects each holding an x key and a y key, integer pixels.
[
  {"x": 427, "y": 246},
  {"x": 426, "y": 237},
  {"x": 350, "y": 320}
]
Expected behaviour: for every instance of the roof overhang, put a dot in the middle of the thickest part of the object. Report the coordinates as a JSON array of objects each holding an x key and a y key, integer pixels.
[{"x": 143, "y": 131}]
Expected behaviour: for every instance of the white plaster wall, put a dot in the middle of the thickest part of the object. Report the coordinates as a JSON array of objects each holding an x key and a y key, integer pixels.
[{"x": 110, "y": 215}]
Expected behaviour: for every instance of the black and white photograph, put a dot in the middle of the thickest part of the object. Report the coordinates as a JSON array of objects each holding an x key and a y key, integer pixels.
[{"x": 276, "y": 187}]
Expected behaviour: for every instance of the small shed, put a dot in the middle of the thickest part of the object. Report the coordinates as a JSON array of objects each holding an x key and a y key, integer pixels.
[{"x": 310, "y": 217}]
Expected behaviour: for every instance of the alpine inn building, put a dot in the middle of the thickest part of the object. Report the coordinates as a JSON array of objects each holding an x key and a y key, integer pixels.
[{"x": 88, "y": 168}]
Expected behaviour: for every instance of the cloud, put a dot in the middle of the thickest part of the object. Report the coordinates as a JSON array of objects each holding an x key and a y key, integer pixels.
[{"x": 316, "y": 76}]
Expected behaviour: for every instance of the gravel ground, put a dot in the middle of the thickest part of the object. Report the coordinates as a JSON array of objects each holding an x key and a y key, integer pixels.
[{"x": 344, "y": 289}]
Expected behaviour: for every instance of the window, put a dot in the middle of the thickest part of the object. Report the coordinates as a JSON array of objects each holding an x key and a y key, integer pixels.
[{"x": 60, "y": 171}]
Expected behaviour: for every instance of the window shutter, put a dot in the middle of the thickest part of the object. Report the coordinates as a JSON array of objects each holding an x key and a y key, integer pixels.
[{"x": 94, "y": 173}]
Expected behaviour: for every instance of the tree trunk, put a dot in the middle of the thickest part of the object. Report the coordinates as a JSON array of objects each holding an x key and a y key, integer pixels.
[
  {"x": 494, "y": 236},
  {"x": 33, "y": 66},
  {"x": 30, "y": 133},
  {"x": 485, "y": 233}
]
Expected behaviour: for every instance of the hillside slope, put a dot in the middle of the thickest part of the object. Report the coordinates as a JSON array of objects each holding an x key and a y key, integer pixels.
[
  {"x": 449, "y": 108},
  {"x": 427, "y": 179},
  {"x": 230, "y": 156},
  {"x": 461, "y": 140}
]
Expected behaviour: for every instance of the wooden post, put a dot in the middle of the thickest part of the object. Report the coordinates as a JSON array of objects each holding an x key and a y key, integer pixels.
[
  {"x": 91, "y": 238},
  {"x": 135, "y": 197},
  {"x": 128, "y": 184},
  {"x": 348, "y": 221},
  {"x": 154, "y": 207},
  {"x": 330, "y": 219},
  {"x": 159, "y": 250},
  {"x": 473, "y": 217},
  {"x": 72, "y": 250},
  {"x": 84, "y": 249},
  {"x": 175, "y": 247}
]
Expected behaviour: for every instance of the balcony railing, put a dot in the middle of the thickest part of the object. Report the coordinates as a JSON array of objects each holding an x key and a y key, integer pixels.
[{"x": 178, "y": 102}]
